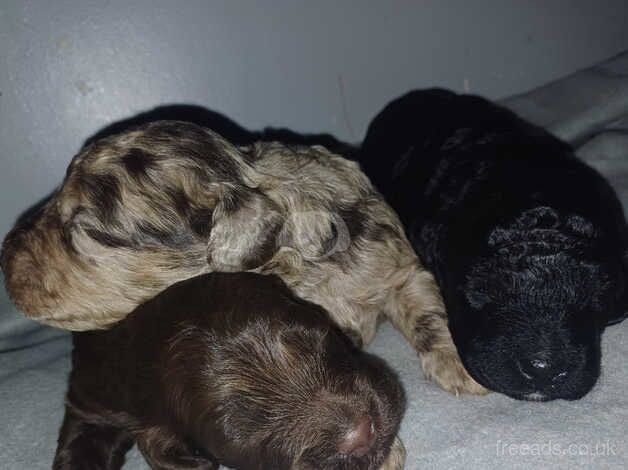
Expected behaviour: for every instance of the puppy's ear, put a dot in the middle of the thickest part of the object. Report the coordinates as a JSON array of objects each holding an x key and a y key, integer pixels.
[
  {"x": 315, "y": 234},
  {"x": 245, "y": 227}
]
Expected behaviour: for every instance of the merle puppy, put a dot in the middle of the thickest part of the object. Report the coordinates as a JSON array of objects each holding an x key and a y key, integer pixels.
[
  {"x": 229, "y": 369},
  {"x": 169, "y": 200},
  {"x": 526, "y": 242}
]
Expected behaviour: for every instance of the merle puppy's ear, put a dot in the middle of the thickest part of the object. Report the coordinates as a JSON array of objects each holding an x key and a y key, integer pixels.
[{"x": 245, "y": 226}]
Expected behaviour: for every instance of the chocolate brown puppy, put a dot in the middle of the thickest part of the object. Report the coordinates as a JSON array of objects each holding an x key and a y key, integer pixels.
[
  {"x": 229, "y": 369},
  {"x": 169, "y": 200}
]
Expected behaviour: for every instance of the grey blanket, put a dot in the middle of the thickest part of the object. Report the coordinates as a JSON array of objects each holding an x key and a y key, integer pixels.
[{"x": 440, "y": 431}]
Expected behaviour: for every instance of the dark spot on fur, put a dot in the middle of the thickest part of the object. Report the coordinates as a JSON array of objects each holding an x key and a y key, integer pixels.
[
  {"x": 179, "y": 200},
  {"x": 263, "y": 251},
  {"x": 355, "y": 221},
  {"x": 104, "y": 193},
  {"x": 329, "y": 243},
  {"x": 137, "y": 162},
  {"x": 107, "y": 239},
  {"x": 425, "y": 333},
  {"x": 201, "y": 222},
  {"x": 67, "y": 229},
  {"x": 362, "y": 225},
  {"x": 150, "y": 235},
  {"x": 193, "y": 142},
  {"x": 234, "y": 200}
]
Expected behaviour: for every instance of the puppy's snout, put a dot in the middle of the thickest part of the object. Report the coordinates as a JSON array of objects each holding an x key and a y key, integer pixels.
[
  {"x": 542, "y": 369},
  {"x": 360, "y": 438}
]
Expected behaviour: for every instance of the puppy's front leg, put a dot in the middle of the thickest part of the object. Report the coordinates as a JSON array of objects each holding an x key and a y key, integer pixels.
[
  {"x": 396, "y": 457},
  {"x": 163, "y": 450},
  {"x": 417, "y": 311},
  {"x": 84, "y": 445}
]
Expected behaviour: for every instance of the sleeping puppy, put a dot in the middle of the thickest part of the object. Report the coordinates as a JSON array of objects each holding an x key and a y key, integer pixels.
[
  {"x": 527, "y": 243},
  {"x": 229, "y": 369},
  {"x": 141, "y": 210}
]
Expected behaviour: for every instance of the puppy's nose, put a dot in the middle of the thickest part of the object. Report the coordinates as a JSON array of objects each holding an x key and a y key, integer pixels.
[
  {"x": 359, "y": 440},
  {"x": 541, "y": 369}
]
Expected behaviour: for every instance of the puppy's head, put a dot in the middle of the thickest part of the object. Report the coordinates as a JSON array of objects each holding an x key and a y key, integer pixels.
[
  {"x": 529, "y": 318},
  {"x": 352, "y": 421},
  {"x": 136, "y": 212},
  {"x": 308, "y": 400},
  {"x": 289, "y": 392}
]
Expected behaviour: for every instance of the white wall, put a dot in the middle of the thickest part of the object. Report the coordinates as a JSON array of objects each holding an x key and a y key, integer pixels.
[{"x": 70, "y": 67}]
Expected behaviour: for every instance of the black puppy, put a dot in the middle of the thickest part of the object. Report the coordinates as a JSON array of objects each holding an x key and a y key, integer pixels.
[
  {"x": 527, "y": 243},
  {"x": 233, "y": 369}
]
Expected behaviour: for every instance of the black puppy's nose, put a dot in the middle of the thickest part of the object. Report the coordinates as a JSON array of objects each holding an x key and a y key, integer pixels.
[{"x": 541, "y": 369}]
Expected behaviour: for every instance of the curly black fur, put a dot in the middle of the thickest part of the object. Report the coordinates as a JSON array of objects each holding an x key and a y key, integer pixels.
[{"x": 527, "y": 243}]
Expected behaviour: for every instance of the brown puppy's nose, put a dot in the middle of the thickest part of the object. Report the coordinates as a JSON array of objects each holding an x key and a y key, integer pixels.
[{"x": 359, "y": 440}]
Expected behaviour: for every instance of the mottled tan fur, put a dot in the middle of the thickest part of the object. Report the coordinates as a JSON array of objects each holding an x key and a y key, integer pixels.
[{"x": 142, "y": 210}]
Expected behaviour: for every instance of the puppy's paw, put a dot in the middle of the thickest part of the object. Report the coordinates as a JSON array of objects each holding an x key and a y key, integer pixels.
[
  {"x": 446, "y": 370},
  {"x": 396, "y": 457},
  {"x": 164, "y": 450}
]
